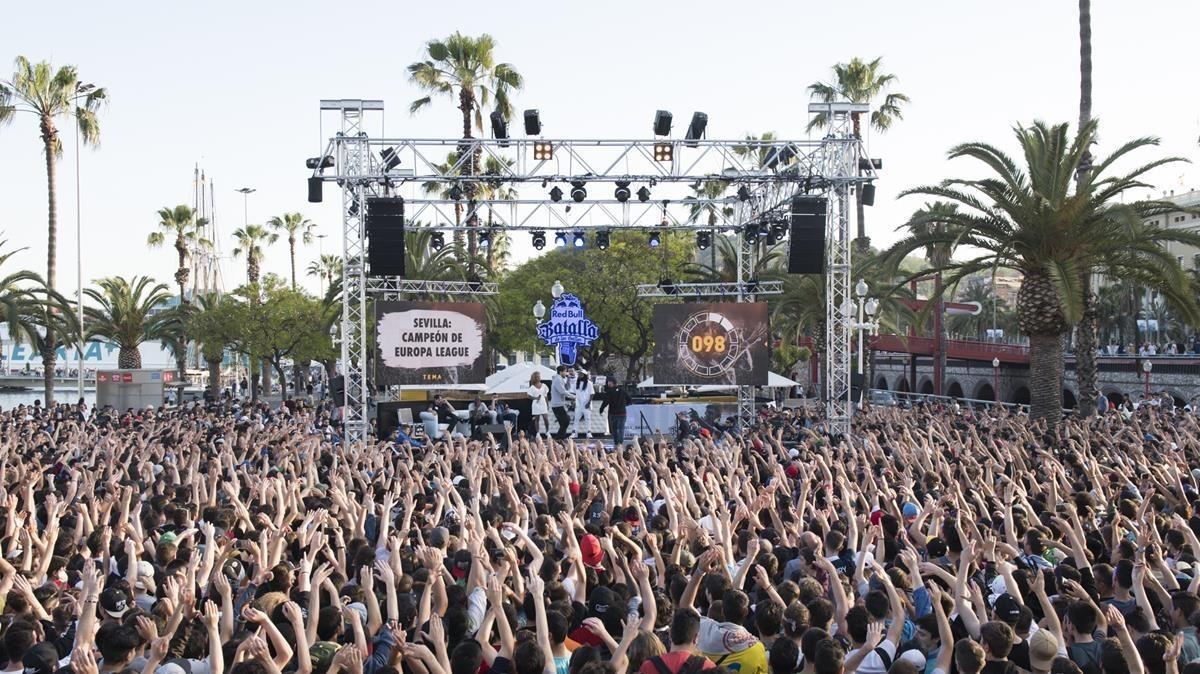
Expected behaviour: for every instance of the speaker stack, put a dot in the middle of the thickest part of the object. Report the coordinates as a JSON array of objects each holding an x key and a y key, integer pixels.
[
  {"x": 807, "y": 252},
  {"x": 385, "y": 236}
]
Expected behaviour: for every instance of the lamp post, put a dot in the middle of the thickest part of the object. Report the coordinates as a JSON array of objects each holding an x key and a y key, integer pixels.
[
  {"x": 868, "y": 306},
  {"x": 1146, "y": 367},
  {"x": 996, "y": 379}
]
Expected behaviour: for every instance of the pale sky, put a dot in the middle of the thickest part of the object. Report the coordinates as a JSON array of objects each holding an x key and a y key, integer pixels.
[{"x": 235, "y": 87}]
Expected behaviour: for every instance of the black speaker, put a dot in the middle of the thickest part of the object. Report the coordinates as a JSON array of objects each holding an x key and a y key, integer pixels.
[
  {"x": 385, "y": 236},
  {"x": 857, "y": 382},
  {"x": 868, "y": 194},
  {"x": 315, "y": 188},
  {"x": 337, "y": 389},
  {"x": 806, "y": 254}
]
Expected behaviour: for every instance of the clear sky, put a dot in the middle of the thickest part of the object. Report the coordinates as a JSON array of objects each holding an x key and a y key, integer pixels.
[{"x": 235, "y": 86}]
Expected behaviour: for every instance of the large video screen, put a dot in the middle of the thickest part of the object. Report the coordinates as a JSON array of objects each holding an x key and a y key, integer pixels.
[
  {"x": 430, "y": 343},
  {"x": 700, "y": 344}
]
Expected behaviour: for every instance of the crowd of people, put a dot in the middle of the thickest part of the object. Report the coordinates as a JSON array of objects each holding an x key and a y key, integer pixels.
[{"x": 237, "y": 538}]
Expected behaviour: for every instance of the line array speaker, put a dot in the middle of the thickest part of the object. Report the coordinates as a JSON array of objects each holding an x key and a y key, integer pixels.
[
  {"x": 385, "y": 236},
  {"x": 806, "y": 254}
]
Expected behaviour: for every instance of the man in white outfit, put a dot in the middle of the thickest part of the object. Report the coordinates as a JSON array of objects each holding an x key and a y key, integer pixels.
[
  {"x": 560, "y": 393},
  {"x": 583, "y": 401}
]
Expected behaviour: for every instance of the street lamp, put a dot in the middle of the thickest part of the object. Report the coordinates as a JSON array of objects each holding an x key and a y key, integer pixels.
[
  {"x": 869, "y": 306},
  {"x": 539, "y": 310},
  {"x": 995, "y": 379},
  {"x": 1146, "y": 367},
  {"x": 246, "y": 192},
  {"x": 556, "y": 290}
]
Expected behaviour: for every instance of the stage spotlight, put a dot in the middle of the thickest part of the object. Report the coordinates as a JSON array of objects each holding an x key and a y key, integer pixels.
[
  {"x": 865, "y": 164},
  {"x": 622, "y": 191},
  {"x": 437, "y": 241},
  {"x": 353, "y": 210},
  {"x": 539, "y": 240},
  {"x": 643, "y": 194},
  {"x": 780, "y": 157},
  {"x": 499, "y": 127},
  {"x": 775, "y": 233},
  {"x": 578, "y": 192},
  {"x": 485, "y": 238},
  {"x": 662, "y": 123},
  {"x": 602, "y": 239},
  {"x": 751, "y": 233},
  {"x": 322, "y": 163},
  {"x": 664, "y": 152},
  {"x": 654, "y": 239},
  {"x": 696, "y": 128},
  {"x": 560, "y": 239},
  {"x": 703, "y": 240},
  {"x": 533, "y": 123},
  {"x": 556, "y": 194},
  {"x": 543, "y": 150},
  {"x": 579, "y": 239},
  {"x": 743, "y": 193},
  {"x": 668, "y": 287},
  {"x": 456, "y": 192},
  {"x": 868, "y": 194},
  {"x": 390, "y": 159}
]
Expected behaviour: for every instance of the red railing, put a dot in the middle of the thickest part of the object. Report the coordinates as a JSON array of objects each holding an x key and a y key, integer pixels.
[{"x": 963, "y": 349}]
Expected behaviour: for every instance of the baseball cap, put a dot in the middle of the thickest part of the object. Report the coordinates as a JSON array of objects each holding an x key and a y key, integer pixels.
[
  {"x": 322, "y": 654},
  {"x": 876, "y": 516},
  {"x": 600, "y": 601},
  {"x": 114, "y": 601},
  {"x": 911, "y": 511},
  {"x": 1007, "y": 608},
  {"x": 167, "y": 537},
  {"x": 589, "y": 550},
  {"x": 1043, "y": 648}
]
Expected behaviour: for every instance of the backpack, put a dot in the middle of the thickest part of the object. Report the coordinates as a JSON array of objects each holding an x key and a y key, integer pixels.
[{"x": 693, "y": 665}]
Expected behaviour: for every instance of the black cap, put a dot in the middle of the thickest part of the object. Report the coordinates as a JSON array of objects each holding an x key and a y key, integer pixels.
[
  {"x": 114, "y": 601},
  {"x": 1007, "y": 608}
]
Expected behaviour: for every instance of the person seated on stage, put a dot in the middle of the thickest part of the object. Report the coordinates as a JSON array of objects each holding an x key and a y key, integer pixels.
[
  {"x": 503, "y": 412},
  {"x": 446, "y": 414},
  {"x": 429, "y": 419},
  {"x": 479, "y": 414},
  {"x": 403, "y": 436}
]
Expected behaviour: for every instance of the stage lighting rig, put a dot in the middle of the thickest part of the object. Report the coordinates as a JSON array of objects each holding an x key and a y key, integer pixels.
[
  {"x": 602, "y": 239},
  {"x": 578, "y": 191},
  {"x": 622, "y": 192},
  {"x": 643, "y": 194},
  {"x": 539, "y": 239},
  {"x": 579, "y": 239},
  {"x": 437, "y": 241},
  {"x": 560, "y": 239}
]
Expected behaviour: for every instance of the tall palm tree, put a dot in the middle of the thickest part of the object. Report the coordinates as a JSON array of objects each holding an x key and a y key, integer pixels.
[
  {"x": 250, "y": 242},
  {"x": 496, "y": 190},
  {"x": 860, "y": 82},
  {"x": 20, "y": 306},
  {"x": 1086, "y": 371},
  {"x": 708, "y": 191},
  {"x": 446, "y": 191},
  {"x": 464, "y": 68},
  {"x": 295, "y": 225},
  {"x": 724, "y": 269},
  {"x": 326, "y": 268},
  {"x": 188, "y": 232},
  {"x": 1031, "y": 220},
  {"x": 934, "y": 221},
  {"x": 757, "y": 148},
  {"x": 124, "y": 314},
  {"x": 52, "y": 96}
]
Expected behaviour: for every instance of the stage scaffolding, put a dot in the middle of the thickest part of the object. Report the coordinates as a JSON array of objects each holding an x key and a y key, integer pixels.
[{"x": 762, "y": 178}]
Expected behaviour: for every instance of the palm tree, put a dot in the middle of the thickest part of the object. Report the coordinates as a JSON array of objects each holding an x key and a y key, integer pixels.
[
  {"x": 860, "y": 82},
  {"x": 20, "y": 307},
  {"x": 52, "y": 96},
  {"x": 757, "y": 148},
  {"x": 250, "y": 241},
  {"x": 723, "y": 268},
  {"x": 326, "y": 268},
  {"x": 294, "y": 224},
  {"x": 207, "y": 322},
  {"x": 188, "y": 231},
  {"x": 464, "y": 68},
  {"x": 979, "y": 290},
  {"x": 934, "y": 221},
  {"x": 124, "y": 315},
  {"x": 496, "y": 190},
  {"x": 708, "y": 191},
  {"x": 447, "y": 191},
  {"x": 1029, "y": 219}
]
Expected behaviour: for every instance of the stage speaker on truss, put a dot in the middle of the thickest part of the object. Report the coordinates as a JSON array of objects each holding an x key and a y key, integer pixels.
[
  {"x": 385, "y": 236},
  {"x": 807, "y": 251},
  {"x": 337, "y": 389},
  {"x": 316, "y": 185}
]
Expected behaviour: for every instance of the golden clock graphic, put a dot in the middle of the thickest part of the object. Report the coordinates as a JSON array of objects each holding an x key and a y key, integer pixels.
[{"x": 709, "y": 344}]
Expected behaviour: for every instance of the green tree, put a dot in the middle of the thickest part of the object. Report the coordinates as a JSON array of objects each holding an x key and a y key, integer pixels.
[
  {"x": 860, "y": 82},
  {"x": 212, "y": 324},
  {"x": 1031, "y": 220},
  {"x": 279, "y": 328},
  {"x": 21, "y": 306},
  {"x": 326, "y": 268},
  {"x": 250, "y": 242},
  {"x": 935, "y": 222},
  {"x": 606, "y": 283},
  {"x": 464, "y": 68},
  {"x": 124, "y": 315},
  {"x": 294, "y": 225},
  {"x": 52, "y": 96},
  {"x": 188, "y": 232}
]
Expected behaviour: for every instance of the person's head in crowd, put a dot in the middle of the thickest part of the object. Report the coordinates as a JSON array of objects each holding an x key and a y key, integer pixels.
[
  {"x": 685, "y": 629},
  {"x": 969, "y": 657},
  {"x": 829, "y": 657}
]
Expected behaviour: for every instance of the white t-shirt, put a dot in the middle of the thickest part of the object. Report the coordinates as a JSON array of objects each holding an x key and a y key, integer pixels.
[{"x": 873, "y": 663}]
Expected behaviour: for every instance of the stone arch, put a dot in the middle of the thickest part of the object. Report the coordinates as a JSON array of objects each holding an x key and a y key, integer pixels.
[
  {"x": 1021, "y": 396},
  {"x": 1069, "y": 402},
  {"x": 984, "y": 391},
  {"x": 955, "y": 390},
  {"x": 903, "y": 386},
  {"x": 881, "y": 383},
  {"x": 926, "y": 387},
  {"x": 1115, "y": 397}
]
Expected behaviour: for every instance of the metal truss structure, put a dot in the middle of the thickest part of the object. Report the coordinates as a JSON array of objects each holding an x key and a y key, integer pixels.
[
  {"x": 639, "y": 184},
  {"x": 717, "y": 290},
  {"x": 395, "y": 287}
]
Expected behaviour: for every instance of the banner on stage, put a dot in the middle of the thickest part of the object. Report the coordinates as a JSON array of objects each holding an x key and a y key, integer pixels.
[
  {"x": 702, "y": 344},
  {"x": 430, "y": 343}
]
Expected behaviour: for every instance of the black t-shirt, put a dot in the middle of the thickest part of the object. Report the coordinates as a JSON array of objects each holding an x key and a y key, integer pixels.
[
  {"x": 1019, "y": 655},
  {"x": 999, "y": 667}
]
